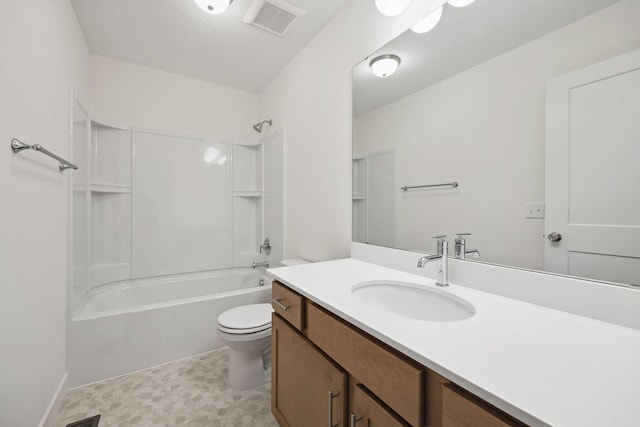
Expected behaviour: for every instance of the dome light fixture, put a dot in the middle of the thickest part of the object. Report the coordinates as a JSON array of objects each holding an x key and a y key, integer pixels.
[
  {"x": 392, "y": 7},
  {"x": 384, "y": 65},
  {"x": 460, "y": 3},
  {"x": 428, "y": 23},
  {"x": 214, "y": 7}
]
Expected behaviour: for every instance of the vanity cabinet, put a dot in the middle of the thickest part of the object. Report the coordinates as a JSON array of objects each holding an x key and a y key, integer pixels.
[
  {"x": 461, "y": 409},
  {"x": 395, "y": 380},
  {"x": 308, "y": 389},
  {"x": 325, "y": 372},
  {"x": 369, "y": 411}
]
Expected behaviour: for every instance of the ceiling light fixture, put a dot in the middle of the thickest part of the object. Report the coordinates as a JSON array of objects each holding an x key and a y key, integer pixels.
[
  {"x": 428, "y": 23},
  {"x": 392, "y": 7},
  {"x": 384, "y": 65},
  {"x": 214, "y": 7},
  {"x": 460, "y": 3}
]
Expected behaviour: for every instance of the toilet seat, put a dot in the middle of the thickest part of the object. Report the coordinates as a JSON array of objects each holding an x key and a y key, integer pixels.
[
  {"x": 243, "y": 331},
  {"x": 246, "y": 319}
]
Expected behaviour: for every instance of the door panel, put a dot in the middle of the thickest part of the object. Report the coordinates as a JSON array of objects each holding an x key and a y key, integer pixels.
[{"x": 592, "y": 176}]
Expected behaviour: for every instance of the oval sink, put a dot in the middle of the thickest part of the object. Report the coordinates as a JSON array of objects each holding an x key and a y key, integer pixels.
[{"x": 413, "y": 301}]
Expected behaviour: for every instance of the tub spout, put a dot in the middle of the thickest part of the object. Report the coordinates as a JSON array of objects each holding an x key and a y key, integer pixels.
[{"x": 264, "y": 264}]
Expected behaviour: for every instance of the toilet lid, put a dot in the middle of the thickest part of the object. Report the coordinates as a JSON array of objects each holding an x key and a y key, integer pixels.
[{"x": 246, "y": 317}]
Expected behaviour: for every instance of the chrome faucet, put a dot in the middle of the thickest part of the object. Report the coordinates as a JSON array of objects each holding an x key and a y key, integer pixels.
[
  {"x": 461, "y": 251},
  {"x": 264, "y": 264},
  {"x": 442, "y": 256}
]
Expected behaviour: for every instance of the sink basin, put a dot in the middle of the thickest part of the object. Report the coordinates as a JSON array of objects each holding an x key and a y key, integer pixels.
[{"x": 413, "y": 301}]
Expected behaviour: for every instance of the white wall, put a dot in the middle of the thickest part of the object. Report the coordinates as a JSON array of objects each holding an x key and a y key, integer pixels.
[
  {"x": 311, "y": 98},
  {"x": 43, "y": 54},
  {"x": 485, "y": 127},
  {"x": 132, "y": 94}
]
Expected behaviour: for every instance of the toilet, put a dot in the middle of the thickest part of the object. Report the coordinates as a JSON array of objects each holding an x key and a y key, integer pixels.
[{"x": 246, "y": 329}]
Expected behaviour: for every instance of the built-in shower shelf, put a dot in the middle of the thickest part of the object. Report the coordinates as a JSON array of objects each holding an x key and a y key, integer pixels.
[
  {"x": 110, "y": 188},
  {"x": 111, "y": 272},
  {"x": 359, "y": 197},
  {"x": 247, "y": 193},
  {"x": 248, "y": 143},
  {"x": 99, "y": 267}
]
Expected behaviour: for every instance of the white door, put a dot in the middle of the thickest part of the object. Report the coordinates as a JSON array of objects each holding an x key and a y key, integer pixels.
[{"x": 592, "y": 187}]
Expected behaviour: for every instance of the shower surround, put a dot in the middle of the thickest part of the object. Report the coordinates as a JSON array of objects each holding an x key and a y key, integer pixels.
[{"x": 164, "y": 228}]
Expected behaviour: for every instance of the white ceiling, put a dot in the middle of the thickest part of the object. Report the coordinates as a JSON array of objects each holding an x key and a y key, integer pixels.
[
  {"x": 465, "y": 37},
  {"x": 178, "y": 37}
]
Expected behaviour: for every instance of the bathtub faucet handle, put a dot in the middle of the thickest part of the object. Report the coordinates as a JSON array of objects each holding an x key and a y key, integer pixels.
[{"x": 266, "y": 246}]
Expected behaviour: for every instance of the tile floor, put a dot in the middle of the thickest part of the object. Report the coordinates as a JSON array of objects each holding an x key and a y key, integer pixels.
[{"x": 190, "y": 392}]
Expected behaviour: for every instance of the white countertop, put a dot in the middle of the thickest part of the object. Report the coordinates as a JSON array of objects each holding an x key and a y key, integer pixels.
[{"x": 543, "y": 366}]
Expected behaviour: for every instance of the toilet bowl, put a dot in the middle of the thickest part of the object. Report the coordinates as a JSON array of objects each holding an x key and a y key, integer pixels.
[{"x": 247, "y": 331}]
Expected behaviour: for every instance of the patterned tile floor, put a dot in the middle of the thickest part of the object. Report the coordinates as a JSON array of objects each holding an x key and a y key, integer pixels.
[{"x": 190, "y": 392}]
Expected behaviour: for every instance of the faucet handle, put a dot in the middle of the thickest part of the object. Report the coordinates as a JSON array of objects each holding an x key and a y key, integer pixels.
[
  {"x": 460, "y": 238},
  {"x": 441, "y": 244}
]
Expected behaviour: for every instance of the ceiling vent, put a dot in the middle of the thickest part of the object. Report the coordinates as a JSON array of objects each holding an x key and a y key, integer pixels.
[{"x": 275, "y": 16}]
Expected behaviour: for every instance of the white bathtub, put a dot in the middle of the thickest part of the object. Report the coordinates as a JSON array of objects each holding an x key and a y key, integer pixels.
[{"x": 141, "y": 323}]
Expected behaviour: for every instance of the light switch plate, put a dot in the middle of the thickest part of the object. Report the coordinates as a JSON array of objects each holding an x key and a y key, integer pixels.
[{"x": 534, "y": 210}]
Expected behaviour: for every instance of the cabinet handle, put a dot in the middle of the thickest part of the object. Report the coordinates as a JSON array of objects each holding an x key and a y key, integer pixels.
[
  {"x": 355, "y": 418},
  {"x": 331, "y": 396},
  {"x": 279, "y": 304}
]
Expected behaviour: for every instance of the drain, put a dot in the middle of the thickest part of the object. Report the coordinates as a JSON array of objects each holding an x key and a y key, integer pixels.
[{"x": 87, "y": 422}]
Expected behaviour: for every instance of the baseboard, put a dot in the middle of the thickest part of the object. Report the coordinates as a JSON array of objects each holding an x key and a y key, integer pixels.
[{"x": 49, "y": 417}]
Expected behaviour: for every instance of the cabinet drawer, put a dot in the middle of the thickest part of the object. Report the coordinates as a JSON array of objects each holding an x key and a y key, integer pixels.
[
  {"x": 460, "y": 409},
  {"x": 288, "y": 304},
  {"x": 396, "y": 381},
  {"x": 368, "y": 411}
]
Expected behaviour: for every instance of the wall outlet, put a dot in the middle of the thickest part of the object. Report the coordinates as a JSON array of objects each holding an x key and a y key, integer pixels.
[{"x": 534, "y": 210}]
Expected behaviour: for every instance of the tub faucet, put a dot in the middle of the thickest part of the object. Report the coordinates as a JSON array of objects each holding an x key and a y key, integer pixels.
[
  {"x": 461, "y": 250},
  {"x": 442, "y": 256},
  {"x": 264, "y": 264}
]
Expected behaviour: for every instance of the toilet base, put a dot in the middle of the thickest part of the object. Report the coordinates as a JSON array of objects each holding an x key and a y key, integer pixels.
[{"x": 249, "y": 369}]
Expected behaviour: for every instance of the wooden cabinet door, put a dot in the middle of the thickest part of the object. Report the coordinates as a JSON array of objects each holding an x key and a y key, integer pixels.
[
  {"x": 304, "y": 381},
  {"x": 368, "y": 411}
]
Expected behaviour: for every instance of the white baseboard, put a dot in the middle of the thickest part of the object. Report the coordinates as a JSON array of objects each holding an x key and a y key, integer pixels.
[{"x": 49, "y": 417}]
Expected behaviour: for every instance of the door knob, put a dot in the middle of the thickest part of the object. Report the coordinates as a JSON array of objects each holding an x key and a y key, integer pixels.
[{"x": 554, "y": 237}]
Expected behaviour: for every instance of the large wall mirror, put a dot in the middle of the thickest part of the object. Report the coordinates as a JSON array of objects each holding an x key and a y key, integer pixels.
[{"x": 533, "y": 109}]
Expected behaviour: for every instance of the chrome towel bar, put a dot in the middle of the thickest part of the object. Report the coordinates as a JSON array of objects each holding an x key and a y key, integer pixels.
[
  {"x": 449, "y": 184},
  {"x": 17, "y": 146}
]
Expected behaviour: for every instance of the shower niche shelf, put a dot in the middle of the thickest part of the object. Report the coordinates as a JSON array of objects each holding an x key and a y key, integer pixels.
[
  {"x": 108, "y": 188},
  {"x": 247, "y": 193},
  {"x": 247, "y": 201},
  {"x": 359, "y": 198},
  {"x": 110, "y": 202}
]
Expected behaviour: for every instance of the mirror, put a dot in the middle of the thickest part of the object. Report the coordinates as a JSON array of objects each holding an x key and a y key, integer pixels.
[{"x": 530, "y": 108}]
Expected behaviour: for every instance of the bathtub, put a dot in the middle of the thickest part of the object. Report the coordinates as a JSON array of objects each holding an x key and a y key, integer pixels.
[{"x": 133, "y": 325}]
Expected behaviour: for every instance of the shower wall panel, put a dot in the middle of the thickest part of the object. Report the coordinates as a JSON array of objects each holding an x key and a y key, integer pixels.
[{"x": 181, "y": 205}]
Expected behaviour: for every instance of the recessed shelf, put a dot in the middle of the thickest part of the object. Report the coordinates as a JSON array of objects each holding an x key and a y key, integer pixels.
[
  {"x": 247, "y": 193},
  {"x": 110, "y": 188},
  {"x": 114, "y": 265},
  {"x": 359, "y": 197},
  {"x": 248, "y": 143}
]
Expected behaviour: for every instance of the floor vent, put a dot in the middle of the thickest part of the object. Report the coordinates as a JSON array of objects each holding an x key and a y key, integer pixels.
[
  {"x": 87, "y": 422},
  {"x": 275, "y": 16}
]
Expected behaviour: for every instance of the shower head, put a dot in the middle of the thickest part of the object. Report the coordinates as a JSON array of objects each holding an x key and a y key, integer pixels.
[{"x": 258, "y": 126}]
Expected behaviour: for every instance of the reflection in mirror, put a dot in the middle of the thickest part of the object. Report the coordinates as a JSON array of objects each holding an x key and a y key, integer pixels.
[{"x": 479, "y": 100}]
